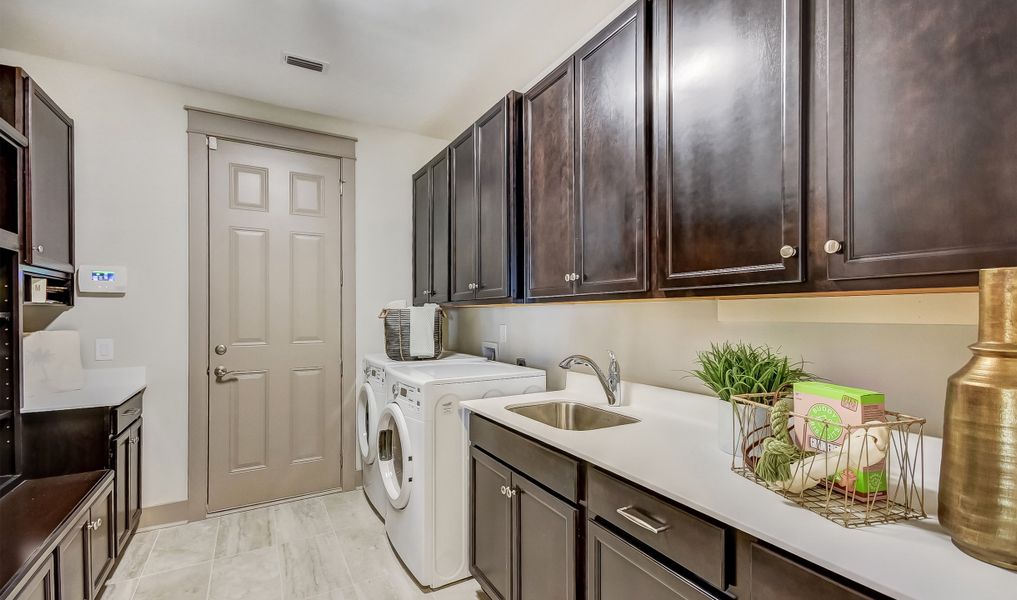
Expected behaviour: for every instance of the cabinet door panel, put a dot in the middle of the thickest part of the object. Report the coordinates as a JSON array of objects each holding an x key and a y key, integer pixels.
[
  {"x": 42, "y": 585},
  {"x": 548, "y": 172},
  {"x": 617, "y": 570},
  {"x": 134, "y": 477},
  {"x": 122, "y": 475},
  {"x": 493, "y": 202},
  {"x": 50, "y": 183},
  {"x": 101, "y": 541},
  {"x": 728, "y": 143},
  {"x": 775, "y": 576},
  {"x": 465, "y": 215},
  {"x": 421, "y": 236},
  {"x": 548, "y": 175},
  {"x": 922, "y": 164},
  {"x": 611, "y": 196},
  {"x": 72, "y": 563},
  {"x": 490, "y": 525},
  {"x": 439, "y": 173},
  {"x": 546, "y": 544}
]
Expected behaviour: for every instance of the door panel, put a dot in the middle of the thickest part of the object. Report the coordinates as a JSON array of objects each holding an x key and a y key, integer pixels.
[
  {"x": 728, "y": 184},
  {"x": 51, "y": 183},
  {"x": 42, "y": 584},
  {"x": 493, "y": 201},
  {"x": 421, "y": 236},
  {"x": 72, "y": 563},
  {"x": 134, "y": 477},
  {"x": 440, "y": 223},
  {"x": 465, "y": 216},
  {"x": 546, "y": 544},
  {"x": 490, "y": 525},
  {"x": 122, "y": 452},
  {"x": 548, "y": 174},
  {"x": 274, "y": 252},
  {"x": 938, "y": 195},
  {"x": 101, "y": 541},
  {"x": 611, "y": 194}
]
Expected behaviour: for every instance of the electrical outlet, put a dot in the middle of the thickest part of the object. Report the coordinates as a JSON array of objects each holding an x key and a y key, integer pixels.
[
  {"x": 489, "y": 350},
  {"x": 103, "y": 349}
]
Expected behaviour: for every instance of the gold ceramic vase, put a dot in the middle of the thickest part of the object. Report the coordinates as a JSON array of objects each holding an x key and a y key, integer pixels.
[{"x": 978, "y": 477}]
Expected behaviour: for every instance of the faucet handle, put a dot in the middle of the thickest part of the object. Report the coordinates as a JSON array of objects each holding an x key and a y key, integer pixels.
[{"x": 610, "y": 354}]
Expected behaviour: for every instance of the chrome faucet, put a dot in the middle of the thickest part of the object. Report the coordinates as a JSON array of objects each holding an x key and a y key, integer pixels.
[{"x": 611, "y": 383}]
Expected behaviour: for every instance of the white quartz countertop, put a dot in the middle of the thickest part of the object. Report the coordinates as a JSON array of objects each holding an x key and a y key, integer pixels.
[
  {"x": 102, "y": 387},
  {"x": 673, "y": 452}
]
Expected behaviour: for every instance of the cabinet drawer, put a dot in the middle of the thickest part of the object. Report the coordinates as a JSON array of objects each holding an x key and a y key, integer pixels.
[
  {"x": 126, "y": 413},
  {"x": 555, "y": 471},
  {"x": 693, "y": 542},
  {"x": 775, "y": 576}
]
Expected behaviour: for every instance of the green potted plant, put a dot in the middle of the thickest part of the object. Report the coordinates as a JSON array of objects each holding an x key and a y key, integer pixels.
[{"x": 729, "y": 369}]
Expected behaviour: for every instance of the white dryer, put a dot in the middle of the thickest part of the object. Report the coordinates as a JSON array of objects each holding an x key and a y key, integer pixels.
[
  {"x": 370, "y": 400},
  {"x": 423, "y": 450}
]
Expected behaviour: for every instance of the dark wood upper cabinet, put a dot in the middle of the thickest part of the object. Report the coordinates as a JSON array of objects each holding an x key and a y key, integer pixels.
[
  {"x": 727, "y": 147},
  {"x": 431, "y": 231},
  {"x": 48, "y": 238},
  {"x": 585, "y": 192},
  {"x": 922, "y": 137},
  {"x": 611, "y": 202},
  {"x": 484, "y": 206},
  {"x": 549, "y": 158}
]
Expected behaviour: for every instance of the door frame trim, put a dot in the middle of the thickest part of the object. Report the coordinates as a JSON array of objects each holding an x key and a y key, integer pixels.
[{"x": 201, "y": 124}]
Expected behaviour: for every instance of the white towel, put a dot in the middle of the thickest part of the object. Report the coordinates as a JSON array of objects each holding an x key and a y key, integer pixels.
[
  {"x": 422, "y": 330},
  {"x": 52, "y": 362}
]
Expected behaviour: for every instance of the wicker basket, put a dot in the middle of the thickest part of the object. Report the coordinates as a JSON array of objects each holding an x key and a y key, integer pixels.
[
  {"x": 397, "y": 334},
  {"x": 902, "y": 467}
]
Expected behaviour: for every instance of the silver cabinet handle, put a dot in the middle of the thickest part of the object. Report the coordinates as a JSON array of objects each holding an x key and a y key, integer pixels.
[
  {"x": 833, "y": 247},
  {"x": 93, "y": 525},
  {"x": 787, "y": 251},
  {"x": 504, "y": 491},
  {"x": 221, "y": 372},
  {"x": 39, "y": 248},
  {"x": 642, "y": 520},
  {"x": 568, "y": 277},
  {"x": 130, "y": 412},
  {"x": 510, "y": 492}
]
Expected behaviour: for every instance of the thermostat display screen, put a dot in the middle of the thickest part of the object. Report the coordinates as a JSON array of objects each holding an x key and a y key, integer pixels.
[
  {"x": 102, "y": 279},
  {"x": 108, "y": 276}
]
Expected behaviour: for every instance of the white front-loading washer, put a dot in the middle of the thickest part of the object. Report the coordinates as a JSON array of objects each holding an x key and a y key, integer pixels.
[
  {"x": 371, "y": 398},
  {"x": 423, "y": 459}
]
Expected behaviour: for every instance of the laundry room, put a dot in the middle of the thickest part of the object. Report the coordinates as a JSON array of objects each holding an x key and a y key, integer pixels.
[{"x": 532, "y": 300}]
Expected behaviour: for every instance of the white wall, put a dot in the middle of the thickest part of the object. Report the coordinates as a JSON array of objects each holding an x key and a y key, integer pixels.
[{"x": 131, "y": 209}]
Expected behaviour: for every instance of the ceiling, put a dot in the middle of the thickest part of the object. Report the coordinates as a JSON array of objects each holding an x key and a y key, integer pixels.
[{"x": 427, "y": 66}]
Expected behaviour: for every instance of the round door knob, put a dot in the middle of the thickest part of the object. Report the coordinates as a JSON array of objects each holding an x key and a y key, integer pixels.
[
  {"x": 787, "y": 251},
  {"x": 220, "y": 349},
  {"x": 833, "y": 247},
  {"x": 220, "y": 371},
  {"x": 39, "y": 248}
]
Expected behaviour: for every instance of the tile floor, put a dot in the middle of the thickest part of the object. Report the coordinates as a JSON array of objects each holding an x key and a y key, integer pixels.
[{"x": 327, "y": 548}]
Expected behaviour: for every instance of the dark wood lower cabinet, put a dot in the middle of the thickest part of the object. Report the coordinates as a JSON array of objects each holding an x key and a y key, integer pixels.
[
  {"x": 101, "y": 541},
  {"x": 774, "y": 575},
  {"x": 617, "y": 570},
  {"x": 490, "y": 525},
  {"x": 42, "y": 585},
  {"x": 126, "y": 453},
  {"x": 72, "y": 563}
]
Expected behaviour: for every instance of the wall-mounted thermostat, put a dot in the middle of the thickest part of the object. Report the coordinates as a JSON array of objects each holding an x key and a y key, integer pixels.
[{"x": 102, "y": 280}]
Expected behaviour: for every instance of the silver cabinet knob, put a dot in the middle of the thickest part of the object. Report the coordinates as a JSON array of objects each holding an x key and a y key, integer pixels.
[
  {"x": 833, "y": 247},
  {"x": 787, "y": 251},
  {"x": 504, "y": 491},
  {"x": 568, "y": 277},
  {"x": 510, "y": 492},
  {"x": 39, "y": 248}
]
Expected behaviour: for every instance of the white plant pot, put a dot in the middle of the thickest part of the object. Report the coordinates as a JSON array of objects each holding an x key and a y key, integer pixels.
[{"x": 729, "y": 431}]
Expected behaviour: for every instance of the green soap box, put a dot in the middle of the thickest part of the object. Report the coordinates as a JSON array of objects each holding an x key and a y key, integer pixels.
[{"x": 833, "y": 407}]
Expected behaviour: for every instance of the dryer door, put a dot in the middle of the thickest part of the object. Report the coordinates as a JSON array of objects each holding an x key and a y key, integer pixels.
[
  {"x": 367, "y": 423},
  {"x": 395, "y": 455}
]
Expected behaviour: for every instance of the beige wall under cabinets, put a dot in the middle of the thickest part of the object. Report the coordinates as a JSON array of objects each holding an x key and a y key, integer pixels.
[
  {"x": 905, "y": 346},
  {"x": 131, "y": 209}
]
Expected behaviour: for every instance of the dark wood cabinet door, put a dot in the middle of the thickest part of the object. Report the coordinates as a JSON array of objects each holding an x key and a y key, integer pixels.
[
  {"x": 101, "y": 540},
  {"x": 134, "y": 477},
  {"x": 421, "y": 236},
  {"x": 727, "y": 156},
  {"x": 773, "y": 575},
  {"x": 49, "y": 202},
  {"x": 548, "y": 173},
  {"x": 465, "y": 217},
  {"x": 495, "y": 197},
  {"x": 42, "y": 584},
  {"x": 611, "y": 202},
  {"x": 121, "y": 449},
  {"x": 545, "y": 544},
  {"x": 921, "y": 130},
  {"x": 490, "y": 525},
  {"x": 440, "y": 222},
  {"x": 617, "y": 570},
  {"x": 72, "y": 562}
]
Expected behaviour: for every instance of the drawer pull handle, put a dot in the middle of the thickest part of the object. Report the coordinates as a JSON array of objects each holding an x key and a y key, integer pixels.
[
  {"x": 130, "y": 412},
  {"x": 642, "y": 520}
]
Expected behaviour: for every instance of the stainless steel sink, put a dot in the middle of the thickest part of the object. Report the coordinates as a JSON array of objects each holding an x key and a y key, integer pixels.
[{"x": 572, "y": 416}]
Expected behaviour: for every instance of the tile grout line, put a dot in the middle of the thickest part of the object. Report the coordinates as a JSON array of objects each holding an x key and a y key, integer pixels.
[
  {"x": 335, "y": 534},
  {"x": 211, "y": 562},
  {"x": 144, "y": 563}
]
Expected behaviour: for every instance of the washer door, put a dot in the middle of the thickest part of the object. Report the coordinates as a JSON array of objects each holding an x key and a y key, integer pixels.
[
  {"x": 395, "y": 455},
  {"x": 367, "y": 427}
]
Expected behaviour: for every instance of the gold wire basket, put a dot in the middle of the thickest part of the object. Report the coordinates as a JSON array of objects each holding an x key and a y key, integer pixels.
[{"x": 899, "y": 440}]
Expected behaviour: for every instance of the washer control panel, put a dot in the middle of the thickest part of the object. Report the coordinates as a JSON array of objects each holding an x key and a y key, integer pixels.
[{"x": 409, "y": 398}]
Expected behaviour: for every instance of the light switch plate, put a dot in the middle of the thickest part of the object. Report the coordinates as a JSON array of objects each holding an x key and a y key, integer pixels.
[
  {"x": 103, "y": 349},
  {"x": 503, "y": 334}
]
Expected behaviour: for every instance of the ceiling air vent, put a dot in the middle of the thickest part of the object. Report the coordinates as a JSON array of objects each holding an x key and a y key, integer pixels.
[{"x": 305, "y": 63}]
